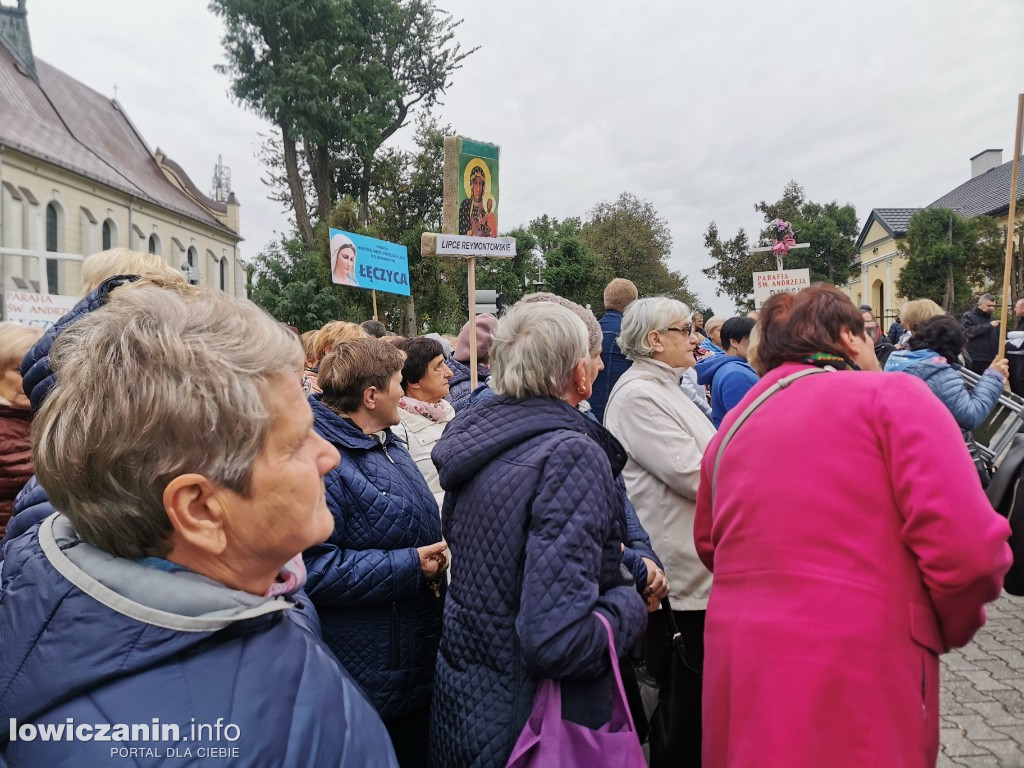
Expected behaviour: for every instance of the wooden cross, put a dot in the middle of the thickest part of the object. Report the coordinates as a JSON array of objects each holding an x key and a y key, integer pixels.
[{"x": 778, "y": 259}]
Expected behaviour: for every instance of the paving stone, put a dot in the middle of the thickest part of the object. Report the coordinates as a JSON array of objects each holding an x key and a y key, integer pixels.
[
  {"x": 979, "y": 761},
  {"x": 965, "y": 692},
  {"x": 983, "y": 681},
  {"x": 956, "y": 744},
  {"x": 976, "y": 728},
  {"x": 1008, "y": 751},
  {"x": 993, "y": 713}
]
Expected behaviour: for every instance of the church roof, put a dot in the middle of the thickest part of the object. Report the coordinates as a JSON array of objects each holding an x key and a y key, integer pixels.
[
  {"x": 64, "y": 122},
  {"x": 987, "y": 194},
  {"x": 893, "y": 220}
]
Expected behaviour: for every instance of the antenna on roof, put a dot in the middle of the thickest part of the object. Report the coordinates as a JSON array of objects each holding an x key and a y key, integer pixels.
[{"x": 221, "y": 181}]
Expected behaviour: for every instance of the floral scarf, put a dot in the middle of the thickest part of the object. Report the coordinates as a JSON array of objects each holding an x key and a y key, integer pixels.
[{"x": 434, "y": 411}]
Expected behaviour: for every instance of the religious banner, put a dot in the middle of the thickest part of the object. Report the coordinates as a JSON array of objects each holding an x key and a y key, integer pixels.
[
  {"x": 470, "y": 188},
  {"x": 365, "y": 262},
  {"x": 767, "y": 284},
  {"x": 38, "y": 309}
]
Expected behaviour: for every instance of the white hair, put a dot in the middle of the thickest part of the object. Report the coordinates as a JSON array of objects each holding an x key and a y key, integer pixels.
[
  {"x": 645, "y": 315},
  {"x": 536, "y": 347},
  {"x": 156, "y": 384}
]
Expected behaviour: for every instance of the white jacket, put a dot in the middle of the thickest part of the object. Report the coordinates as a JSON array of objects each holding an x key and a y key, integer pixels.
[
  {"x": 665, "y": 435},
  {"x": 421, "y": 434}
]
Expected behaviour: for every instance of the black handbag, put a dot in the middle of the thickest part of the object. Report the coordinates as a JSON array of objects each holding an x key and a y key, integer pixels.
[{"x": 664, "y": 738}]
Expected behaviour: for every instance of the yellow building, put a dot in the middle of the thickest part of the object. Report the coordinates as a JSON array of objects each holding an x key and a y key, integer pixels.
[
  {"x": 76, "y": 177},
  {"x": 987, "y": 193}
]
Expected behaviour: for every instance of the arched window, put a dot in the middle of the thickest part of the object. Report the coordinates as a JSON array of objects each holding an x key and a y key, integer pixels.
[
  {"x": 224, "y": 273},
  {"x": 52, "y": 271},
  {"x": 108, "y": 235},
  {"x": 192, "y": 256},
  {"x": 152, "y": 244}
]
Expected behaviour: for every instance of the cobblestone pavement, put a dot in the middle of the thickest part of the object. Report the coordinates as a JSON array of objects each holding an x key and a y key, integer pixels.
[{"x": 982, "y": 704}]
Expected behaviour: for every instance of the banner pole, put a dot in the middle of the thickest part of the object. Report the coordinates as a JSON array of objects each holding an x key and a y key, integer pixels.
[
  {"x": 471, "y": 285},
  {"x": 1011, "y": 219},
  {"x": 374, "y": 293}
]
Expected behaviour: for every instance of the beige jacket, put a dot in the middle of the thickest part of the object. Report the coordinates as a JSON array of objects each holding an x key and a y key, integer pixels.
[
  {"x": 665, "y": 435},
  {"x": 421, "y": 435}
]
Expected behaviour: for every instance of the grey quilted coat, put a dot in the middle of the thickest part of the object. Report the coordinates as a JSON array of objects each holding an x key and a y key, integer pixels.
[
  {"x": 378, "y": 615},
  {"x": 534, "y": 521}
]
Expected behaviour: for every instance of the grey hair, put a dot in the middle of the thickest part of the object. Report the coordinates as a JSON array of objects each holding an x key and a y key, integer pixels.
[
  {"x": 643, "y": 316},
  {"x": 153, "y": 385},
  {"x": 594, "y": 332},
  {"x": 536, "y": 347}
]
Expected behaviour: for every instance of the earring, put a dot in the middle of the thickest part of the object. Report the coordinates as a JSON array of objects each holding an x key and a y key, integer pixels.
[{"x": 580, "y": 390}]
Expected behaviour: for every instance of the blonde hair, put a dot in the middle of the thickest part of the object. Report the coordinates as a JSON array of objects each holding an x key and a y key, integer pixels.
[
  {"x": 619, "y": 293},
  {"x": 309, "y": 344},
  {"x": 15, "y": 342},
  {"x": 333, "y": 334},
  {"x": 155, "y": 384},
  {"x": 536, "y": 347},
  {"x": 123, "y": 261},
  {"x": 916, "y": 312}
]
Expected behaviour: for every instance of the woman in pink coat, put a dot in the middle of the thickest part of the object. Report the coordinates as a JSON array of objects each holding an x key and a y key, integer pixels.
[{"x": 851, "y": 544}]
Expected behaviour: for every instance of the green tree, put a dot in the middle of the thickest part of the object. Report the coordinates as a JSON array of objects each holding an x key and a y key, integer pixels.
[
  {"x": 337, "y": 79},
  {"x": 631, "y": 240},
  {"x": 950, "y": 259},
  {"x": 571, "y": 271},
  {"x": 830, "y": 229}
]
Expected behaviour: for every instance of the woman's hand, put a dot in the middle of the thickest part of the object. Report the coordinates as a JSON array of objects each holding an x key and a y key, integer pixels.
[
  {"x": 433, "y": 560},
  {"x": 657, "y": 585},
  {"x": 1002, "y": 365}
]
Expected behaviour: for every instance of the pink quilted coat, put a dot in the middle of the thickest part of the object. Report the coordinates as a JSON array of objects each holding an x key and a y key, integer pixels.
[{"x": 851, "y": 544}]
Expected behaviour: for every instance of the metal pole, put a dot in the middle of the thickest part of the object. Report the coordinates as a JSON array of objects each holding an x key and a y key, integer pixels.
[{"x": 1011, "y": 219}]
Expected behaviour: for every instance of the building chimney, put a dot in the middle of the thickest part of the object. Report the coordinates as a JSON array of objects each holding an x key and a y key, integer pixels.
[{"x": 986, "y": 161}]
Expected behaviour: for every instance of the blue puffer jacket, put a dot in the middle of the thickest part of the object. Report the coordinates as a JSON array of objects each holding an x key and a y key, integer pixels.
[
  {"x": 103, "y": 640},
  {"x": 533, "y": 518},
  {"x": 969, "y": 408},
  {"x": 379, "y": 616},
  {"x": 459, "y": 384}
]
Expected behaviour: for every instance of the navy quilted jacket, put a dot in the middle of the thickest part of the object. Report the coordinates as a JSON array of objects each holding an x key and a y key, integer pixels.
[
  {"x": 377, "y": 613},
  {"x": 534, "y": 521},
  {"x": 127, "y": 644},
  {"x": 459, "y": 389}
]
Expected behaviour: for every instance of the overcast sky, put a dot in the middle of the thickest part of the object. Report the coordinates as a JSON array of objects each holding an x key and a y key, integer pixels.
[{"x": 703, "y": 108}]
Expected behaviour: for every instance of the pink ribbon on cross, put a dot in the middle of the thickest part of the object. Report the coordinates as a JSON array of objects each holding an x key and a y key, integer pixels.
[{"x": 781, "y": 247}]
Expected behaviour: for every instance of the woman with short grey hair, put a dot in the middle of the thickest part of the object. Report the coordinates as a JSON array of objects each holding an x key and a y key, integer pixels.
[
  {"x": 189, "y": 480},
  {"x": 534, "y": 521},
  {"x": 665, "y": 436}
]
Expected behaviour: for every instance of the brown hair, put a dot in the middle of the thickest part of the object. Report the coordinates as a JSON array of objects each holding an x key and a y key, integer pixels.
[
  {"x": 795, "y": 326},
  {"x": 353, "y": 367},
  {"x": 619, "y": 293},
  {"x": 332, "y": 334}
]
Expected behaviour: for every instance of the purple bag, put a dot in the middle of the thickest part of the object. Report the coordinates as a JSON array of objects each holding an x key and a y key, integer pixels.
[{"x": 548, "y": 741}]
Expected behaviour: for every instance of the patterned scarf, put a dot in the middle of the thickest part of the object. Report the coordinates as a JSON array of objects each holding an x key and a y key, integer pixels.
[
  {"x": 434, "y": 411},
  {"x": 290, "y": 579}
]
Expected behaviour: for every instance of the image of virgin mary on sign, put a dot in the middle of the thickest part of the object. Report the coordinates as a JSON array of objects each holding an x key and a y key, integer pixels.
[
  {"x": 343, "y": 261},
  {"x": 473, "y": 219}
]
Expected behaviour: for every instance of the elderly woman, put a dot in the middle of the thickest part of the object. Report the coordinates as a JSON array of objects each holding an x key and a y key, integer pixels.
[
  {"x": 914, "y": 313},
  {"x": 15, "y": 418},
  {"x": 833, "y": 597},
  {"x": 423, "y": 411},
  {"x": 330, "y": 336},
  {"x": 172, "y": 574},
  {"x": 665, "y": 434},
  {"x": 534, "y": 520},
  {"x": 378, "y": 581}
]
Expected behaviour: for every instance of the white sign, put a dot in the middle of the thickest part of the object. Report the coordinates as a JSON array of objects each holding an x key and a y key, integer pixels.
[
  {"x": 467, "y": 245},
  {"x": 767, "y": 284},
  {"x": 38, "y": 309}
]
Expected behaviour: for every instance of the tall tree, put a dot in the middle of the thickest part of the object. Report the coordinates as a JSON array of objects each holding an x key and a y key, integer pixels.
[
  {"x": 631, "y": 240},
  {"x": 337, "y": 78},
  {"x": 571, "y": 271},
  {"x": 830, "y": 229},
  {"x": 950, "y": 259}
]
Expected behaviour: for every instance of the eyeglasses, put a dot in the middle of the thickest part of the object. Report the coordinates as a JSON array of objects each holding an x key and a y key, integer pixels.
[{"x": 686, "y": 329}]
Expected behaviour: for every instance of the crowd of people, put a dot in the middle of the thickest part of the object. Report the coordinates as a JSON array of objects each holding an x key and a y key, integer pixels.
[{"x": 333, "y": 544}]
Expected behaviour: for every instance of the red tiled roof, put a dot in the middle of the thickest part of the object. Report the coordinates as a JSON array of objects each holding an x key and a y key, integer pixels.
[{"x": 66, "y": 123}]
